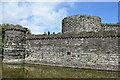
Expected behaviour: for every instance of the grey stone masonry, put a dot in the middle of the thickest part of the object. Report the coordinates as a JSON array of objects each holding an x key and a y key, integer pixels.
[
  {"x": 79, "y": 23},
  {"x": 85, "y": 42},
  {"x": 14, "y": 47}
]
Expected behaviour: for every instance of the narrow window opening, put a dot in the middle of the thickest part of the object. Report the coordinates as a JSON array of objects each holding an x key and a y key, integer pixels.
[{"x": 68, "y": 53}]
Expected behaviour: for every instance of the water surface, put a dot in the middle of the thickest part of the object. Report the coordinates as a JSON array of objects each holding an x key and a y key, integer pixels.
[{"x": 40, "y": 71}]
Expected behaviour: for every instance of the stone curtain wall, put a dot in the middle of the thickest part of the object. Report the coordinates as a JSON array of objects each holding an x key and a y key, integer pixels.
[
  {"x": 80, "y": 23},
  {"x": 111, "y": 26},
  {"x": 14, "y": 47},
  {"x": 93, "y": 53},
  {"x": 84, "y": 42}
]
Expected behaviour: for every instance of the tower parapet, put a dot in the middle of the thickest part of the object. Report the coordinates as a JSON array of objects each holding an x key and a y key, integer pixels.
[{"x": 80, "y": 23}]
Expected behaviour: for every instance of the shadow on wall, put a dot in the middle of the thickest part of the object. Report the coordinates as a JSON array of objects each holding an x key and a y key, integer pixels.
[{"x": 0, "y": 53}]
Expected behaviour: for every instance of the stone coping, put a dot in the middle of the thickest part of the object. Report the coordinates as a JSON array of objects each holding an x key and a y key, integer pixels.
[
  {"x": 82, "y": 16},
  {"x": 110, "y": 24}
]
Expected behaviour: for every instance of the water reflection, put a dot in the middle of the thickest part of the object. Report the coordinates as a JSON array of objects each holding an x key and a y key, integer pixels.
[
  {"x": 0, "y": 69},
  {"x": 40, "y": 71}
]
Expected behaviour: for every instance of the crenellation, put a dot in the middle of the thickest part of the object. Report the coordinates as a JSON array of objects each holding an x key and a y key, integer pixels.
[
  {"x": 85, "y": 42},
  {"x": 78, "y": 37},
  {"x": 100, "y": 34}
]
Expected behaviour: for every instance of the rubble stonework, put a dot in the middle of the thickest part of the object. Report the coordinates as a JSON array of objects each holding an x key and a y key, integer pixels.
[
  {"x": 85, "y": 42},
  {"x": 80, "y": 23}
]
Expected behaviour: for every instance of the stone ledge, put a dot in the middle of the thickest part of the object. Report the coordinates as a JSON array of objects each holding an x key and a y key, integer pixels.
[{"x": 13, "y": 61}]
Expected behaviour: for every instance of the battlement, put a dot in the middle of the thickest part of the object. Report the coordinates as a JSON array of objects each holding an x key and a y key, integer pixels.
[{"x": 100, "y": 34}]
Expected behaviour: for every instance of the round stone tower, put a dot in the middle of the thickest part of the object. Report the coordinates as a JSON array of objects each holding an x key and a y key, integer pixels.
[
  {"x": 80, "y": 23},
  {"x": 14, "y": 43}
]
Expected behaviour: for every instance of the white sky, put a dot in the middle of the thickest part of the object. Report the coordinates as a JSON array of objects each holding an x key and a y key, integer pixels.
[{"x": 38, "y": 17}]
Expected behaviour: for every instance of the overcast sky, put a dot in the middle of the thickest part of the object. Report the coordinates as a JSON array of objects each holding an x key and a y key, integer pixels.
[{"x": 41, "y": 17}]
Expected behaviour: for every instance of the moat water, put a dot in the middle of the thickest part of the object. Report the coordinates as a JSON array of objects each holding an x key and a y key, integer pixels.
[{"x": 40, "y": 71}]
